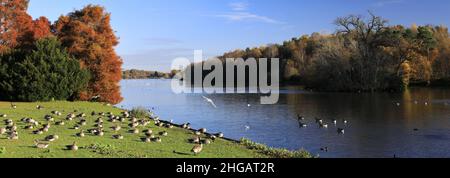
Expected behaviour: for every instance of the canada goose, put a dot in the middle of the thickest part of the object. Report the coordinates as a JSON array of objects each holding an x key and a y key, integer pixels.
[
  {"x": 197, "y": 133},
  {"x": 334, "y": 121},
  {"x": 324, "y": 125},
  {"x": 81, "y": 134},
  {"x": 51, "y": 138},
  {"x": 170, "y": 126},
  {"x": 164, "y": 133},
  {"x": 196, "y": 140},
  {"x": 8, "y": 121},
  {"x": 60, "y": 123},
  {"x": 118, "y": 137},
  {"x": 134, "y": 125},
  {"x": 73, "y": 147},
  {"x": 300, "y": 118},
  {"x": 145, "y": 122},
  {"x": 101, "y": 114},
  {"x": 100, "y": 133},
  {"x": 325, "y": 149},
  {"x": 146, "y": 139},
  {"x": 81, "y": 115},
  {"x": 220, "y": 135},
  {"x": 49, "y": 118},
  {"x": 148, "y": 132},
  {"x": 135, "y": 131},
  {"x": 133, "y": 119},
  {"x": 3, "y": 115},
  {"x": 40, "y": 145},
  {"x": 13, "y": 106},
  {"x": 160, "y": 124},
  {"x": 83, "y": 122},
  {"x": 341, "y": 131},
  {"x": 10, "y": 124},
  {"x": 76, "y": 127},
  {"x": 213, "y": 137},
  {"x": 157, "y": 140},
  {"x": 185, "y": 125},
  {"x": 28, "y": 127},
  {"x": 2, "y": 131},
  {"x": 39, "y": 107},
  {"x": 345, "y": 121},
  {"x": 320, "y": 121},
  {"x": 302, "y": 125},
  {"x": 197, "y": 149},
  {"x": 121, "y": 119},
  {"x": 206, "y": 141},
  {"x": 202, "y": 130},
  {"x": 12, "y": 127},
  {"x": 70, "y": 116},
  {"x": 13, "y": 136},
  {"x": 116, "y": 128},
  {"x": 93, "y": 113},
  {"x": 38, "y": 132},
  {"x": 99, "y": 120}
]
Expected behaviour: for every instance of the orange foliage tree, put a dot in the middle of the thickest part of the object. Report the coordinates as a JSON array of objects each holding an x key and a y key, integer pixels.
[
  {"x": 14, "y": 23},
  {"x": 88, "y": 36}
]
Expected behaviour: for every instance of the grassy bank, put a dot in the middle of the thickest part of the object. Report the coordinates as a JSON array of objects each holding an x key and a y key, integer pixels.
[{"x": 175, "y": 145}]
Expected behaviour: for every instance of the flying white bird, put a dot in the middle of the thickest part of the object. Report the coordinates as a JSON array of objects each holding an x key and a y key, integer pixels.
[{"x": 210, "y": 101}]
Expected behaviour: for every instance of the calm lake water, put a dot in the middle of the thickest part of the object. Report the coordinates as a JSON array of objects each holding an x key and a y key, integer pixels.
[{"x": 377, "y": 126}]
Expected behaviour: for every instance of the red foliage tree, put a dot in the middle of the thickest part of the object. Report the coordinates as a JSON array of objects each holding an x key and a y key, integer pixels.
[
  {"x": 14, "y": 23},
  {"x": 88, "y": 35}
]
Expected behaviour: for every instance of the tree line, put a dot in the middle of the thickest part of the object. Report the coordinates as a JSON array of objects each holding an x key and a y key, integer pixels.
[
  {"x": 143, "y": 74},
  {"x": 70, "y": 59},
  {"x": 364, "y": 54}
]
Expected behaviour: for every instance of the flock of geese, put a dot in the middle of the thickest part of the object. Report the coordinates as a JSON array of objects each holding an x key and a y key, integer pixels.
[
  {"x": 201, "y": 137},
  {"x": 321, "y": 123}
]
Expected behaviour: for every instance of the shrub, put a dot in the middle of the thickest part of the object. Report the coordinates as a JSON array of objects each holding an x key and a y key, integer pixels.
[
  {"x": 140, "y": 112},
  {"x": 48, "y": 72},
  {"x": 274, "y": 152}
]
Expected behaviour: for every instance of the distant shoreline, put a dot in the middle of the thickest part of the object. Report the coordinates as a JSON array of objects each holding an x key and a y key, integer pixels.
[{"x": 143, "y": 74}]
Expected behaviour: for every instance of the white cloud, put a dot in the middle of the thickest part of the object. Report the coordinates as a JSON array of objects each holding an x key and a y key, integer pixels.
[
  {"x": 239, "y": 12},
  {"x": 382, "y": 3},
  {"x": 239, "y": 6},
  {"x": 246, "y": 16}
]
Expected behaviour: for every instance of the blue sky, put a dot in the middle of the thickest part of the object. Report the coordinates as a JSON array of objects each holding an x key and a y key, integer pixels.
[{"x": 154, "y": 32}]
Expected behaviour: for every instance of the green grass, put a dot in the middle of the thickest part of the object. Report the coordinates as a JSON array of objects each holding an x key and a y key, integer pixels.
[{"x": 175, "y": 145}]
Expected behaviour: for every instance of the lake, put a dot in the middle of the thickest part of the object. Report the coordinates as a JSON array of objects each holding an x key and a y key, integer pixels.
[{"x": 413, "y": 124}]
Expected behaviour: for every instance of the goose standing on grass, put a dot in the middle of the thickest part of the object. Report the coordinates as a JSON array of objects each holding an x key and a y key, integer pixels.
[
  {"x": 13, "y": 106},
  {"x": 196, "y": 140},
  {"x": 118, "y": 137},
  {"x": 81, "y": 134},
  {"x": 40, "y": 145},
  {"x": 210, "y": 101},
  {"x": 73, "y": 147},
  {"x": 51, "y": 138},
  {"x": 220, "y": 135},
  {"x": 13, "y": 136},
  {"x": 197, "y": 149}
]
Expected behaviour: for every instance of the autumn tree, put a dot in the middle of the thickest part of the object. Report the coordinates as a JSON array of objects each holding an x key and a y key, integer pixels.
[
  {"x": 14, "y": 23},
  {"x": 88, "y": 36}
]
